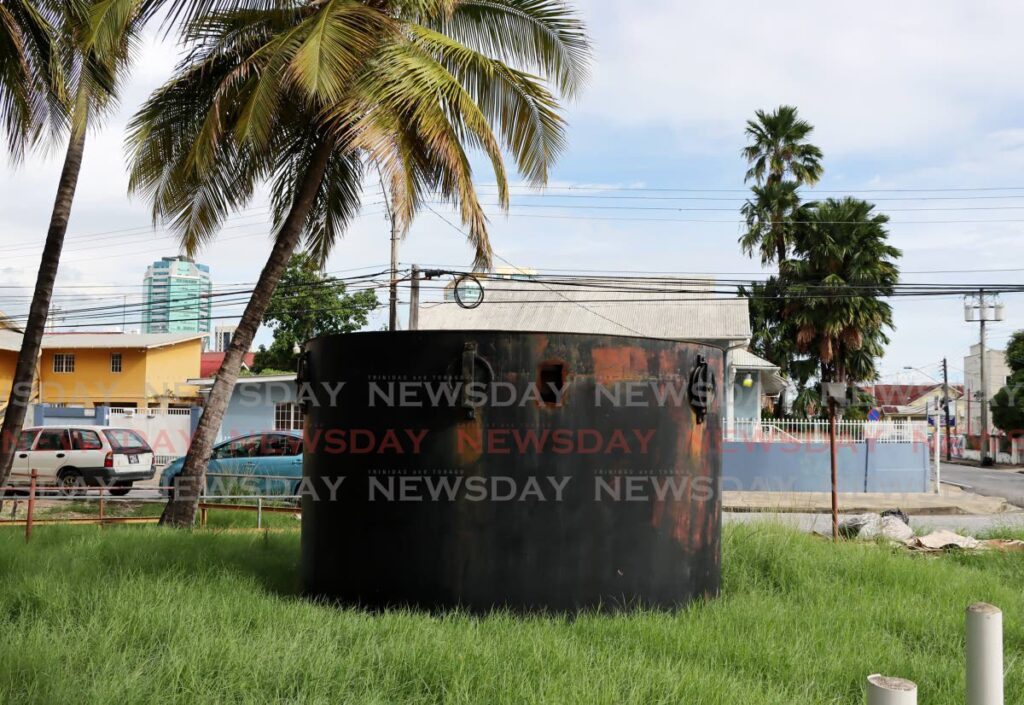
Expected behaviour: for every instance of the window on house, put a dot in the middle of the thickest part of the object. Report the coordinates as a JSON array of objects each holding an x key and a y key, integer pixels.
[
  {"x": 287, "y": 417},
  {"x": 64, "y": 362},
  {"x": 115, "y": 362}
]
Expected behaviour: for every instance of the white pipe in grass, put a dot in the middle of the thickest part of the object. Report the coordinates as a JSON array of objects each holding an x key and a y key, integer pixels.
[
  {"x": 888, "y": 690},
  {"x": 984, "y": 654}
]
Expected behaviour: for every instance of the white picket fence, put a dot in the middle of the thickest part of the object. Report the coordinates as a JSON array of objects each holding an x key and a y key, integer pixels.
[{"x": 816, "y": 431}]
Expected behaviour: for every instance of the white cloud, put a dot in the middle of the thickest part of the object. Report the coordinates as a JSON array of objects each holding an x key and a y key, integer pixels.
[{"x": 869, "y": 75}]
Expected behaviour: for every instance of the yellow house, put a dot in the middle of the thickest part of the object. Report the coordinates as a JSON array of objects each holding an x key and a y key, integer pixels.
[
  {"x": 115, "y": 369},
  {"x": 10, "y": 344}
]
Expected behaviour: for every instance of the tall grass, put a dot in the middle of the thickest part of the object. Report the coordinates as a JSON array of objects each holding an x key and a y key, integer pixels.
[{"x": 145, "y": 615}]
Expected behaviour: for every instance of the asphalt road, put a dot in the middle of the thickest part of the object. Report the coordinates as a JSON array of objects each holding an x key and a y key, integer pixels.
[{"x": 987, "y": 481}]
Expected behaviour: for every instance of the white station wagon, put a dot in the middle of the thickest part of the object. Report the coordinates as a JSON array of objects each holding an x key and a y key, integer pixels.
[{"x": 71, "y": 457}]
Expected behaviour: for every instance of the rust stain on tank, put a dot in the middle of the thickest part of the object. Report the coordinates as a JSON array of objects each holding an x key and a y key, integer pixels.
[
  {"x": 619, "y": 364},
  {"x": 468, "y": 440}
]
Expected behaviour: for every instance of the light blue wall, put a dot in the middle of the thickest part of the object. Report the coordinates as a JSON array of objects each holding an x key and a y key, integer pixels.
[
  {"x": 805, "y": 467},
  {"x": 46, "y": 415},
  {"x": 251, "y": 409}
]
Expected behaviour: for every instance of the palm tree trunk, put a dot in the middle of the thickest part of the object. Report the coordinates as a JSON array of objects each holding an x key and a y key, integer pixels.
[
  {"x": 181, "y": 508},
  {"x": 24, "y": 371}
]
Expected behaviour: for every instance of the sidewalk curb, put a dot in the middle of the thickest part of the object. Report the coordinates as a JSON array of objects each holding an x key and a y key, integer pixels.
[{"x": 920, "y": 511}]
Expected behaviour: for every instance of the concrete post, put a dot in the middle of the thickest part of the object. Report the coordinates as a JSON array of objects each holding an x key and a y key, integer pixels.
[
  {"x": 888, "y": 690},
  {"x": 984, "y": 654}
]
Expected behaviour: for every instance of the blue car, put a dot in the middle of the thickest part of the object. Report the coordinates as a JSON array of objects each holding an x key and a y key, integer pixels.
[{"x": 262, "y": 464}]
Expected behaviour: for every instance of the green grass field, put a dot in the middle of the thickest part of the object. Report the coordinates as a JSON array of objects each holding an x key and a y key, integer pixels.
[{"x": 147, "y": 615}]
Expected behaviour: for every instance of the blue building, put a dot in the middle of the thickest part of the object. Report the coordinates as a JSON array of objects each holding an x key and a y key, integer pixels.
[{"x": 258, "y": 404}]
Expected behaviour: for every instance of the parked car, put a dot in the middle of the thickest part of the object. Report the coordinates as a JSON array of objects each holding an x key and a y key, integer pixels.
[
  {"x": 260, "y": 464},
  {"x": 71, "y": 457}
]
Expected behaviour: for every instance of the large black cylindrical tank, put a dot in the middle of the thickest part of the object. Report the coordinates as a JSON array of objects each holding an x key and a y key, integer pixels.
[{"x": 506, "y": 469}]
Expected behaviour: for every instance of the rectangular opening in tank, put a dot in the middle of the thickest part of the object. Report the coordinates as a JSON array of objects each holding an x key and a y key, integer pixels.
[{"x": 551, "y": 379}]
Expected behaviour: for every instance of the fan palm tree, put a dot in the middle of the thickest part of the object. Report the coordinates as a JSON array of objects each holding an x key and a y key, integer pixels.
[
  {"x": 780, "y": 160},
  {"x": 836, "y": 286},
  {"x": 770, "y": 216},
  {"x": 779, "y": 148},
  {"x": 65, "y": 81},
  {"x": 308, "y": 96}
]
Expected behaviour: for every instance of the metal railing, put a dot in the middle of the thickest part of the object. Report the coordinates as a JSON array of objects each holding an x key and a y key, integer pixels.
[
  {"x": 36, "y": 491},
  {"x": 132, "y": 411},
  {"x": 816, "y": 431}
]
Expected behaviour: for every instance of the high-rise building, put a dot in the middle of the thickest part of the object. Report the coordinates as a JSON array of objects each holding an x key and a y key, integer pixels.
[
  {"x": 222, "y": 336},
  {"x": 177, "y": 294}
]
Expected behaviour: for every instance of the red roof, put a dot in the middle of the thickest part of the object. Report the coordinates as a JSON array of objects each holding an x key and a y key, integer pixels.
[
  {"x": 899, "y": 394},
  {"x": 210, "y": 362}
]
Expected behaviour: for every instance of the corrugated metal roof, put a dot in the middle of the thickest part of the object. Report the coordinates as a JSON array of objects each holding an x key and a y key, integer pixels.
[
  {"x": 747, "y": 360},
  {"x": 517, "y": 305},
  {"x": 115, "y": 340}
]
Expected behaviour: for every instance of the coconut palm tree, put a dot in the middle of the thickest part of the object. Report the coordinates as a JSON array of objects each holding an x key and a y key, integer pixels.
[
  {"x": 308, "y": 96},
  {"x": 780, "y": 160},
  {"x": 835, "y": 288},
  {"x": 27, "y": 77},
  {"x": 67, "y": 85}
]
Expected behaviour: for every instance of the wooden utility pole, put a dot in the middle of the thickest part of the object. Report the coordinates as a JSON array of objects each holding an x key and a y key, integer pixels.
[
  {"x": 835, "y": 474},
  {"x": 393, "y": 287}
]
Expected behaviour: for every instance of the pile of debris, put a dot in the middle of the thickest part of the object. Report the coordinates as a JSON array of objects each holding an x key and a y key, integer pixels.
[{"x": 894, "y": 525}]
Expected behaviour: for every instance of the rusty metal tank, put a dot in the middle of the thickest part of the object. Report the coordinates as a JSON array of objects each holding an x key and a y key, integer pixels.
[{"x": 528, "y": 471}]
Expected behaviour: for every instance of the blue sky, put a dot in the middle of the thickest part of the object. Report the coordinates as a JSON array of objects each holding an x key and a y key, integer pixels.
[{"x": 908, "y": 95}]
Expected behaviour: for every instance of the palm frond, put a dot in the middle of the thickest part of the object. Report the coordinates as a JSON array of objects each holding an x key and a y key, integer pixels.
[
  {"x": 541, "y": 36},
  {"x": 524, "y": 112},
  {"x": 32, "y": 94}
]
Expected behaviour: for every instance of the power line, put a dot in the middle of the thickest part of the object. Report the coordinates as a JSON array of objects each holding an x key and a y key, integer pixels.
[
  {"x": 215, "y": 286},
  {"x": 261, "y": 232},
  {"x": 733, "y": 189},
  {"x": 715, "y": 274},
  {"x": 181, "y": 303}
]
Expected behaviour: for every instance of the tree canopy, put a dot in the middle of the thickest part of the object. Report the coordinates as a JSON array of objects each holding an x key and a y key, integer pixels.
[
  {"x": 1008, "y": 403},
  {"x": 1015, "y": 351},
  {"x": 823, "y": 317},
  {"x": 308, "y": 303}
]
